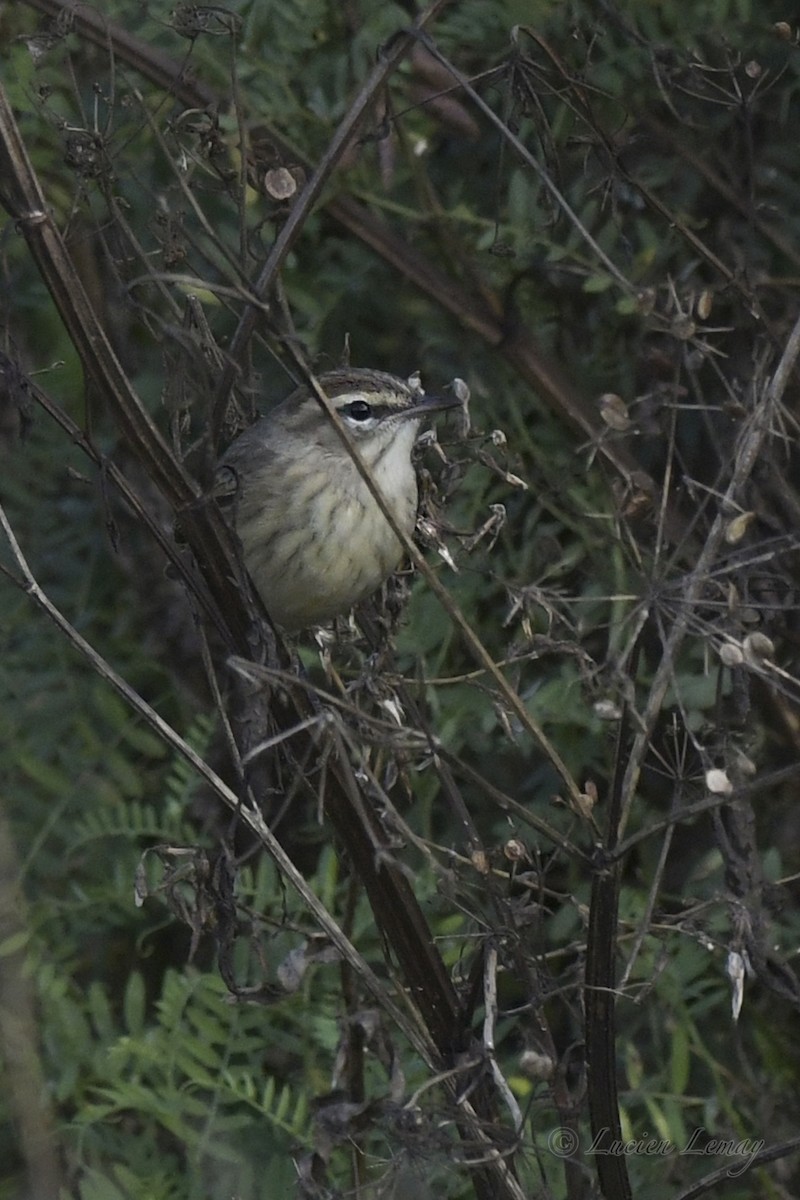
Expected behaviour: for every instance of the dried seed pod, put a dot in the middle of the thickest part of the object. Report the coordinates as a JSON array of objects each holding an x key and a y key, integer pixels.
[
  {"x": 280, "y": 183},
  {"x": 757, "y": 647},
  {"x": 731, "y": 654},
  {"x": 514, "y": 850},
  {"x": 536, "y": 1065}
]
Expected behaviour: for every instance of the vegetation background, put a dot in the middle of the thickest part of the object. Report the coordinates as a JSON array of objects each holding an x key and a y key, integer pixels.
[{"x": 550, "y": 832}]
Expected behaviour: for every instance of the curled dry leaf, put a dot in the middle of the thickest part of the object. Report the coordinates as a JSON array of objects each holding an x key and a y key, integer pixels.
[
  {"x": 704, "y": 304},
  {"x": 614, "y": 412},
  {"x": 718, "y": 783},
  {"x": 480, "y": 862},
  {"x": 462, "y": 393},
  {"x": 737, "y": 528}
]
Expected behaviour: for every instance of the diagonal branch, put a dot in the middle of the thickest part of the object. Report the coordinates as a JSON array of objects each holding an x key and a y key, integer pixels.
[{"x": 22, "y": 197}]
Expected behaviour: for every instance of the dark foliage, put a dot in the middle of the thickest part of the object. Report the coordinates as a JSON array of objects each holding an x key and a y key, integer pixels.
[{"x": 491, "y": 889}]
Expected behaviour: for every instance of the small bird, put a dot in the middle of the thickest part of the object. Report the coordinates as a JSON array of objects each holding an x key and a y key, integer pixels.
[{"x": 314, "y": 540}]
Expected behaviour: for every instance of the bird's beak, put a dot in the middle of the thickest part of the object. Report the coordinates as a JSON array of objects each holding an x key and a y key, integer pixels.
[{"x": 431, "y": 404}]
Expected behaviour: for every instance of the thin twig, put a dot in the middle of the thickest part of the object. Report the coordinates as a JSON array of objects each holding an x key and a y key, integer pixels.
[
  {"x": 479, "y": 313},
  {"x": 303, "y": 204},
  {"x": 756, "y": 429},
  {"x": 489, "y": 1025}
]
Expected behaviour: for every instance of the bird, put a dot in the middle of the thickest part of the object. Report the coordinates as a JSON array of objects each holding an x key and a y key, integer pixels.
[{"x": 314, "y": 539}]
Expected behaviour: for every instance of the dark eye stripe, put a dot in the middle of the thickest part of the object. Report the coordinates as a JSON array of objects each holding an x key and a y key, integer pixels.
[{"x": 359, "y": 410}]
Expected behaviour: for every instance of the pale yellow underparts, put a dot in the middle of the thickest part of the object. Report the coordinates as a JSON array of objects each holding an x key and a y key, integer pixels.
[{"x": 314, "y": 539}]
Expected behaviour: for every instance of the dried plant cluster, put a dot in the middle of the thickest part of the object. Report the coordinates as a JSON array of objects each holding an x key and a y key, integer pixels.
[{"x": 488, "y": 889}]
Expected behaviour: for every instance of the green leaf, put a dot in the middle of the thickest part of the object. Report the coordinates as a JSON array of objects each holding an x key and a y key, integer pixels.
[
  {"x": 598, "y": 283},
  {"x": 14, "y": 942},
  {"x": 134, "y": 1004},
  {"x": 679, "y": 1060}
]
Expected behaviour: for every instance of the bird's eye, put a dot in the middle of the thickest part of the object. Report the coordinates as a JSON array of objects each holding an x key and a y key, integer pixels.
[{"x": 359, "y": 410}]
